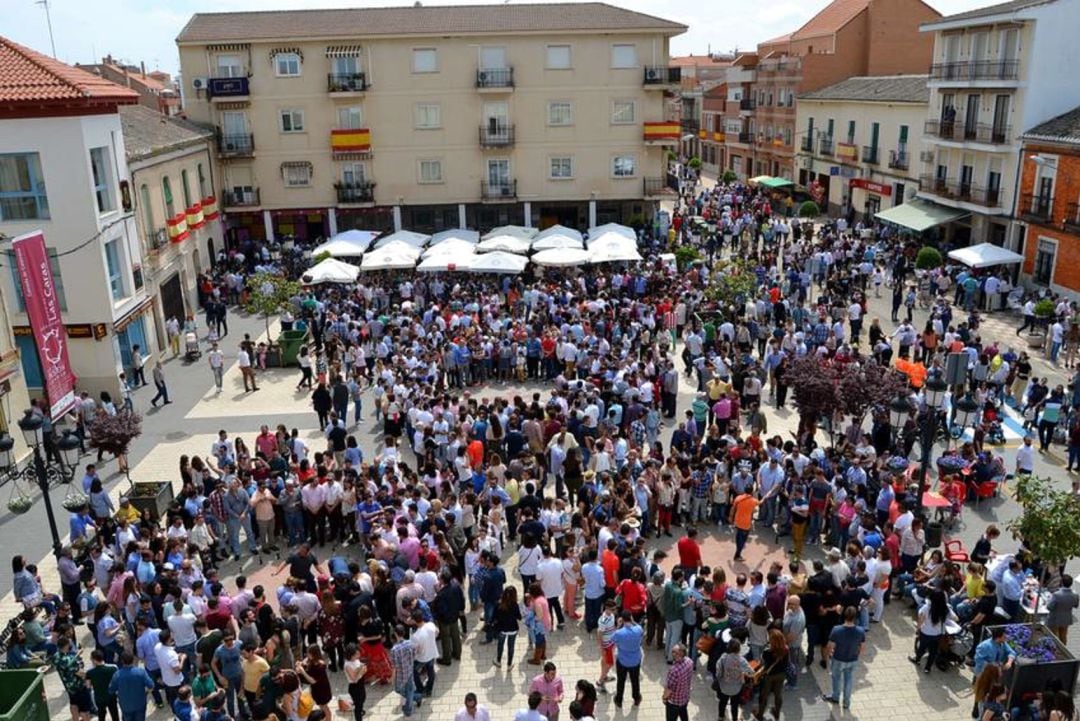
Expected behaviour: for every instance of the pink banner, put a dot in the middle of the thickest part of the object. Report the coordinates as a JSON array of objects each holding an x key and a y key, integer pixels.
[{"x": 43, "y": 311}]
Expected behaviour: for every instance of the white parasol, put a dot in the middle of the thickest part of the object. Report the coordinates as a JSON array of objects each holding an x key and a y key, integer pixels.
[
  {"x": 562, "y": 257},
  {"x": 505, "y": 243},
  {"x": 498, "y": 262},
  {"x": 330, "y": 270}
]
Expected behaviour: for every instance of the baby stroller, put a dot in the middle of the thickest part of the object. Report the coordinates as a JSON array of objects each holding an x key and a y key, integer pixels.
[
  {"x": 960, "y": 645},
  {"x": 191, "y": 346}
]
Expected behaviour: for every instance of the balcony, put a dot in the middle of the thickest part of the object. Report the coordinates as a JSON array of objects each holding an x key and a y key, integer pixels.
[
  {"x": 961, "y": 191},
  {"x": 227, "y": 88},
  {"x": 1072, "y": 217},
  {"x": 157, "y": 240},
  {"x": 870, "y": 154},
  {"x": 242, "y": 198},
  {"x": 746, "y": 138},
  {"x": 1036, "y": 208},
  {"x": 240, "y": 145},
  {"x": 976, "y": 70},
  {"x": 657, "y": 188},
  {"x": 657, "y": 76},
  {"x": 747, "y": 104},
  {"x": 807, "y": 144},
  {"x": 690, "y": 125},
  {"x": 959, "y": 132},
  {"x": 825, "y": 146},
  {"x": 496, "y": 136},
  {"x": 495, "y": 79},
  {"x": 899, "y": 159},
  {"x": 346, "y": 83},
  {"x": 504, "y": 190},
  {"x": 355, "y": 192}
]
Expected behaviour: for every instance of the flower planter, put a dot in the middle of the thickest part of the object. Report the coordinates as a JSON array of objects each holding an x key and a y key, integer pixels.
[
  {"x": 1040, "y": 657},
  {"x": 153, "y": 496}
]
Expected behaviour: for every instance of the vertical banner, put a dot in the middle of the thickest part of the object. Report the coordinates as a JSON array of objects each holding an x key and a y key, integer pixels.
[{"x": 43, "y": 311}]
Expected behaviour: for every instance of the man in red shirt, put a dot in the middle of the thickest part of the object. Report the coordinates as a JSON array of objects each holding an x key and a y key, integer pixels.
[
  {"x": 689, "y": 552},
  {"x": 609, "y": 561}
]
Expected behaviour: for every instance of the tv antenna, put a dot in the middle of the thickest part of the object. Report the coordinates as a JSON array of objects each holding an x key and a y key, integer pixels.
[{"x": 48, "y": 19}]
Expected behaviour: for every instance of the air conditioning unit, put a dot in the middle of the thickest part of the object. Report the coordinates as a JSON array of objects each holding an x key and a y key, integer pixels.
[
  {"x": 927, "y": 156},
  {"x": 483, "y": 77},
  {"x": 199, "y": 83},
  {"x": 652, "y": 74}
]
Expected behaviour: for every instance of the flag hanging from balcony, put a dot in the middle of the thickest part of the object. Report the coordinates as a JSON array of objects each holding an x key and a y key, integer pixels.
[
  {"x": 210, "y": 208},
  {"x": 177, "y": 226},
  {"x": 846, "y": 150},
  {"x": 195, "y": 216},
  {"x": 350, "y": 141},
  {"x": 662, "y": 131}
]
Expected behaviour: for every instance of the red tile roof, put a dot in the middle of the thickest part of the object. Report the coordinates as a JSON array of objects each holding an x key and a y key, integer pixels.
[
  {"x": 831, "y": 18},
  {"x": 28, "y": 77}
]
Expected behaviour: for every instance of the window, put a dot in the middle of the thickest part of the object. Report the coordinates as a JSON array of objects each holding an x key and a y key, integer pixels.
[
  {"x": 350, "y": 118},
  {"x": 493, "y": 58},
  {"x": 287, "y": 64},
  {"x": 148, "y": 211},
  {"x": 166, "y": 193},
  {"x": 425, "y": 60},
  {"x": 184, "y": 188},
  {"x": 561, "y": 169},
  {"x": 298, "y": 175},
  {"x": 1044, "y": 261},
  {"x": 58, "y": 281},
  {"x": 902, "y": 142},
  {"x": 292, "y": 121},
  {"x": 22, "y": 188},
  {"x": 851, "y": 132},
  {"x": 229, "y": 66},
  {"x": 112, "y": 263},
  {"x": 431, "y": 171},
  {"x": 557, "y": 57},
  {"x": 623, "y": 56},
  {"x": 623, "y": 166},
  {"x": 99, "y": 165},
  {"x": 622, "y": 112},
  {"x": 428, "y": 115},
  {"x": 354, "y": 174},
  {"x": 346, "y": 66},
  {"x": 560, "y": 112},
  {"x": 204, "y": 190}
]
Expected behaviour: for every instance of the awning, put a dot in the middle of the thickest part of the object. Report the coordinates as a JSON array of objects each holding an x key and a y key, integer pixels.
[
  {"x": 344, "y": 51},
  {"x": 919, "y": 215},
  {"x": 985, "y": 255},
  {"x": 776, "y": 182}
]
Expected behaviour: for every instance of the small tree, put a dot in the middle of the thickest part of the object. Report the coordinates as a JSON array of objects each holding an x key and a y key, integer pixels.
[
  {"x": 685, "y": 256},
  {"x": 814, "y": 384},
  {"x": 809, "y": 209},
  {"x": 729, "y": 177},
  {"x": 860, "y": 388},
  {"x": 114, "y": 434},
  {"x": 1047, "y": 524},
  {"x": 1044, "y": 308},
  {"x": 928, "y": 258},
  {"x": 730, "y": 285},
  {"x": 694, "y": 163},
  {"x": 270, "y": 295}
]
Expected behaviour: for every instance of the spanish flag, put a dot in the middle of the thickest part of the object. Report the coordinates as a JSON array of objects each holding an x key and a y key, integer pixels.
[
  {"x": 662, "y": 131},
  {"x": 350, "y": 141}
]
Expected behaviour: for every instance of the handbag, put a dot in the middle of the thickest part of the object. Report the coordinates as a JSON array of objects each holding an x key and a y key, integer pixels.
[{"x": 705, "y": 643}]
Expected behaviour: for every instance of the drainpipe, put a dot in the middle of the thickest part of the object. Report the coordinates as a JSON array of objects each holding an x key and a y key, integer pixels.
[{"x": 1015, "y": 199}]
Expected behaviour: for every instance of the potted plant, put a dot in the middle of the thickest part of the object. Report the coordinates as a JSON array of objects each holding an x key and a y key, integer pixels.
[
  {"x": 153, "y": 496},
  {"x": 729, "y": 177},
  {"x": 809, "y": 209},
  {"x": 1039, "y": 658},
  {"x": 928, "y": 258},
  {"x": 950, "y": 464},
  {"x": 897, "y": 466}
]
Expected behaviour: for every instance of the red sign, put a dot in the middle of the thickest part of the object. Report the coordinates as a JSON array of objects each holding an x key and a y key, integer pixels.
[
  {"x": 870, "y": 185},
  {"x": 43, "y": 311}
]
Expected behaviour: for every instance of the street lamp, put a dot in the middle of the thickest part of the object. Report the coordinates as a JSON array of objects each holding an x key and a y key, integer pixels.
[
  {"x": 934, "y": 397},
  {"x": 899, "y": 410},
  {"x": 966, "y": 411}
]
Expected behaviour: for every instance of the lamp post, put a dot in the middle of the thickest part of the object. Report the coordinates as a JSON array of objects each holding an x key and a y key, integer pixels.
[
  {"x": 899, "y": 410},
  {"x": 934, "y": 397},
  {"x": 966, "y": 411},
  {"x": 32, "y": 429}
]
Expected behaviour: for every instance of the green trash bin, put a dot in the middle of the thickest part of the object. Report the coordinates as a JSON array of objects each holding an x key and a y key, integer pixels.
[
  {"x": 290, "y": 342},
  {"x": 22, "y": 696}
]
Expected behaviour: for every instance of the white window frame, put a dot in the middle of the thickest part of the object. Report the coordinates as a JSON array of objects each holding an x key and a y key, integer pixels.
[
  {"x": 423, "y": 111},
  {"x": 615, "y": 163},
  {"x": 346, "y": 113},
  {"x": 551, "y": 120},
  {"x": 104, "y": 197},
  {"x": 617, "y": 105},
  {"x": 292, "y": 178},
  {"x": 292, "y": 116},
  {"x": 548, "y": 65},
  {"x": 432, "y": 179},
  {"x": 288, "y": 59},
  {"x": 335, "y": 64},
  {"x": 623, "y": 64},
  {"x": 231, "y": 69},
  {"x": 561, "y": 161},
  {"x": 415, "y": 55},
  {"x": 117, "y": 284},
  {"x": 357, "y": 170}
]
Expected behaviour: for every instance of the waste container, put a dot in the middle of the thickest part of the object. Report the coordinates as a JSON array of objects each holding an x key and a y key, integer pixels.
[
  {"x": 290, "y": 342},
  {"x": 22, "y": 696},
  {"x": 933, "y": 534}
]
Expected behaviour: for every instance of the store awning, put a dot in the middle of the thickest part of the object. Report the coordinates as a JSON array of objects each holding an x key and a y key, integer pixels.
[
  {"x": 985, "y": 255},
  {"x": 919, "y": 215},
  {"x": 776, "y": 182}
]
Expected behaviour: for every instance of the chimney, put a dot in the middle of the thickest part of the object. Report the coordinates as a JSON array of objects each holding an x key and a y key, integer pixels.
[
  {"x": 142, "y": 65},
  {"x": 127, "y": 78}
]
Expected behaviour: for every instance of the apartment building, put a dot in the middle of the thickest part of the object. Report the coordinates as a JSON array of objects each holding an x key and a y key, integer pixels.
[
  {"x": 711, "y": 132},
  {"x": 156, "y": 89},
  {"x": 859, "y": 141},
  {"x": 846, "y": 38},
  {"x": 995, "y": 71},
  {"x": 64, "y": 172},
  {"x": 698, "y": 74},
  {"x": 432, "y": 117},
  {"x": 1048, "y": 206},
  {"x": 171, "y": 164}
]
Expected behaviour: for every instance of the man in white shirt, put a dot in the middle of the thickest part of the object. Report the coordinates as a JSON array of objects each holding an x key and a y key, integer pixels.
[
  {"x": 171, "y": 664},
  {"x": 426, "y": 648},
  {"x": 472, "y": 711},
  {"x": 243, "y": 359},
  {"x": 1025, "y": 457},
  {"x": 549, "y": 574},
  {"x": 216, "y": 359}
]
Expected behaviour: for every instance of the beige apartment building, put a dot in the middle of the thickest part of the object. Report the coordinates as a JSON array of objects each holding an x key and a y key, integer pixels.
[{"x": 432, "y": 117}]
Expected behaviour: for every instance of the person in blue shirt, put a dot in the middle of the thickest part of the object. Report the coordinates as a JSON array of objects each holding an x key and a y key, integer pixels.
[
  {"x": 80, "y": 521},
  {"x": 593, "y": 573},
  {"x": 994, "y": 650},
  {"x": 182, "y": 706},
  {"x": 129, "y": 685},
  {"x": 627, "y": 640}
]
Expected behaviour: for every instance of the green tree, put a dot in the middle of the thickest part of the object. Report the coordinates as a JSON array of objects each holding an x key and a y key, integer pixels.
[
  {"x": 730, "y": 285},
  {"x": 685, "y": 256},
  {"x": 809, "y": 209},
  {"x": 270, "y": 295},
  {"x": 729, "y": 177},
  {"x": 1047, "y": 524},
  {"x": 928, "y": 258},
  {"x": 694, "y": 163}
]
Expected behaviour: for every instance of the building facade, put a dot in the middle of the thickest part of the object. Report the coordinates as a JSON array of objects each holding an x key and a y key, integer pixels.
[
  {"x": 156, "y": 90},
  {"x": 995, "y": 71},
  {"x": 171, "y": 163},
  {"x": 62, "y": 145},
  {"x": 711, "y": 133},
  {"x": 1048, "y": 205},
  {"x": 432, "y": 117},
  {"x": 860, "y": 140}
]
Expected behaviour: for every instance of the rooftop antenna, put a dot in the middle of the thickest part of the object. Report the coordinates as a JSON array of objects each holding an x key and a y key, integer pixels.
[{"x": 48, "y": 19}]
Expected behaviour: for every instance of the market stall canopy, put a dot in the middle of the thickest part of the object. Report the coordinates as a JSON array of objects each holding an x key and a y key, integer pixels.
[
  {"x": 506, "y": 243},
  {"x": 558, "y": 230},
  {"x": 759, "y": 179},
  {"x": 611, "y": 238},
  {"x": 919, "y": 215},
  {"x": 448, "y": 262},
  {"x": 391, "y": 256},
  {"x": 612, "y": 253},
  {"x": 562, "y": 257},
  {"x": 417, "y": 240},
  {"x": 985, "y": 255},
  {"x": 770, "y": 182},
  {"x": 453, "y": 246},
  {"x": 350, "y": 243},
  {"x": 330, "y": 270},
  {"x": 518, "y": 231},
  {"x": 465, "y": 234},
  {"x": 612, "y": 228},
  {"x": 498, "y": 262},
  {"x": 557, "y": 240}
]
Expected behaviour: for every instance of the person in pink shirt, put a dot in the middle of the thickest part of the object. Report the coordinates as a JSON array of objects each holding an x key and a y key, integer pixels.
[
  {"x": 550, "y": 687},
  {"x": 409, "y": 547}
]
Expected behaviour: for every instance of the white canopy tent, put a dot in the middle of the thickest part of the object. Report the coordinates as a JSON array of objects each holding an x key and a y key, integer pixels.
[
  {"x": 440, "y": 263},
  {"x": 612, "y": 228},
  {"x": 330, "y": 270},
  {"x": 417, "y": 240},
  {"x": 561, "y": 257},
  {"x": 498, "y": 262},
  {"x": 351, "y": 243},
  {"x": 610, "y": 253},
  {"x": 556, "y": 241},
  {"x": 453, "y": 246},
  {"x": 397, "y": 255},
  {"x": 611, "y": 238},
  {"x": 985, "y": 255},
  {"x": 518, "y": 231},
  {"x": 560, "y": 230},
  {"x": 505, "y": 243},
  {"x": 470, "y": 236}
]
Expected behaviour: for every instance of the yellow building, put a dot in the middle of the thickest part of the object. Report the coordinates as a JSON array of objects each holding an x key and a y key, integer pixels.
[{"x": 432, "y": 117}]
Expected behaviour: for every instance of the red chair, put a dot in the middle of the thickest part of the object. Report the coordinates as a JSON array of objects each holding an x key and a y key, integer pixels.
[
  {"x": 955, "y": 552},
  {"x": 986, "y": 489}
]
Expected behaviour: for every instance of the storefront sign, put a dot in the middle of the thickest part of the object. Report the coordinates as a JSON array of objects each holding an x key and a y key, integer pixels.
[
  {"x": 873, "y": 187},
  {"x": 80, "y": 330},
  {"x": 43, "y": 311},
  {"x": 100, "y": 331}
]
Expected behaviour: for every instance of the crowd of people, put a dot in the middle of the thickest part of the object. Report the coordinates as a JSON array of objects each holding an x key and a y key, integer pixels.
[{"x": 568, "y": 484}]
